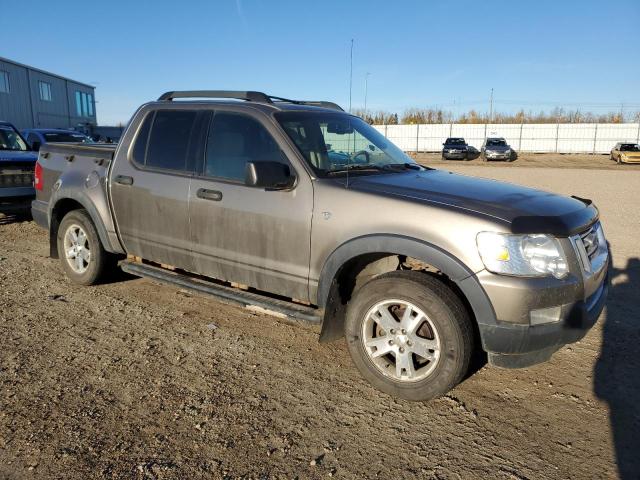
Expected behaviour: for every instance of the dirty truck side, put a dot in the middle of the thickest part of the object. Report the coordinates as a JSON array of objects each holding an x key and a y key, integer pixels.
[{"x": 306, "y": 211}]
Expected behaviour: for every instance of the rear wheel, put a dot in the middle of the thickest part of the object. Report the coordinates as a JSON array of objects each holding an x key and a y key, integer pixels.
[
  {"x": 409, "y": 335},
  {"x": 83, "y": 257}
]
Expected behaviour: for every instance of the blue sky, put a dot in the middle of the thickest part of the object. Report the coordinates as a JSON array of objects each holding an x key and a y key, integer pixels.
[{"x": 534, "y": 54}]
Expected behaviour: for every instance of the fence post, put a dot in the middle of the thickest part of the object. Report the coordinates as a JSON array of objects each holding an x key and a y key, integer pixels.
[
  {"x": 520, "y": 139},
  {"x": 595, "y": 138},
  {"x": 417, "y": 136},
  {"x": 385, "y": 131},
  {"x": 638, "y": 134},
  {"x": 485, "y": 131},
  {"x": 557, "y": 130},
  {"x": 450, "y": 129}
]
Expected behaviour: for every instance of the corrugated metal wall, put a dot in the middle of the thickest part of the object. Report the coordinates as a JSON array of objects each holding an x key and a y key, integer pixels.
[
  {"x": 24, "y": 107},
  {"x": 561, "y": 138}
]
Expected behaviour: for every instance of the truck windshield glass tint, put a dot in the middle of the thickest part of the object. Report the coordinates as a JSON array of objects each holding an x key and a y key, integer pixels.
[
  {"x": 235, "y": 140},
  {"x": 10, "y": 140},
  {"x": 333, "y": 142},
  {"x": 169, "y": 139}
]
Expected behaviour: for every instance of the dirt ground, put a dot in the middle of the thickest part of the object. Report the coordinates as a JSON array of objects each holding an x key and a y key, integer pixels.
[
  {"x": 133, "y": 379},
  {"x": 539, "y": 160}
]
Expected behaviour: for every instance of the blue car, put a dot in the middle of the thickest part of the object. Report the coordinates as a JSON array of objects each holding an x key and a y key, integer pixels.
[
  {"x": 36, "y": 137},
  {"x": 17, "y": 165}
]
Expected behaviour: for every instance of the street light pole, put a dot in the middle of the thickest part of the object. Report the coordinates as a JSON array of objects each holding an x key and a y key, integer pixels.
[
  {"x": 366, "y": 84},
  {"x": 491, "y": 107},
  {"x": 350, "y": 75}
]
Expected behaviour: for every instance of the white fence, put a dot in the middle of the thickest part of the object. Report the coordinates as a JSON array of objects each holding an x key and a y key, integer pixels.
[{"x": 527, "y": 137}]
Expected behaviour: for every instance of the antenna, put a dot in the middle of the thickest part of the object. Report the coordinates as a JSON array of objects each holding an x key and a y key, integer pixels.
[{"x": 350, "y": 75}]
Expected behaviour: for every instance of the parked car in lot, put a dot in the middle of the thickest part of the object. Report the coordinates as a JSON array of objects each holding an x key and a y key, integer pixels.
[
  {"x": 497, "y": 148},
  {"x": 36, "y": 137},
  {"x": 454, "y": 149},
  {"x": 17, "y": 163},
  {"x": 624, "y": 152},
  {"x": 418, "y": 268}
]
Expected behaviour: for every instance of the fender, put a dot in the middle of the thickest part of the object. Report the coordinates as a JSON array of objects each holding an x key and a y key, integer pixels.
[
  {"x": 86, "y": 202},
  {"x": 449, "y": 265}
]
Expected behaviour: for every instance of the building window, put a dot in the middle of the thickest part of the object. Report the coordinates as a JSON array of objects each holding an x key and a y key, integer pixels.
[
  {"x": 45, "y": 91},
  {"x": 84, "y": 104},
  {"x": 4, "y": 81}
]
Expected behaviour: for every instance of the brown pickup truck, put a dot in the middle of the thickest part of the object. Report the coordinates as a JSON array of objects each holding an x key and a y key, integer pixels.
[{"x": 307, "y": 211}]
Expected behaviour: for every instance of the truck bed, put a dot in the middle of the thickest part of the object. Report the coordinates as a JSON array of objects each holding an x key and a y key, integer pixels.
[{"x": 76, "y": 173}]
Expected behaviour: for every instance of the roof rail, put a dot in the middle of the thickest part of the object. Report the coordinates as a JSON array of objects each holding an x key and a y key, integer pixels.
[
  {"x": 313, "y": 103},
  {"x": 239, "y": 95},
  {"x": 249, "y": 96}
]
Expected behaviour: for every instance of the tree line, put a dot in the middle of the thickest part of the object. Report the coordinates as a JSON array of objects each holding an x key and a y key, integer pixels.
[{"x": 434, "y": 115}]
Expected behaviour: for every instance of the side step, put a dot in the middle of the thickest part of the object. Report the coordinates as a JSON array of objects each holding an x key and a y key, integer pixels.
[{"x": 247, "y": 299}]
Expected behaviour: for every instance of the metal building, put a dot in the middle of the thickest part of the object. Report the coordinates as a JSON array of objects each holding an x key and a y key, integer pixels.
[{"x": 33, "y": 98}]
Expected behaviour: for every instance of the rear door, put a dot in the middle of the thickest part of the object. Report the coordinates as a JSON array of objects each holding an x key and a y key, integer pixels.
[
  {"x": 150, "y": 186},
  {"x": 244, "y": 234}
]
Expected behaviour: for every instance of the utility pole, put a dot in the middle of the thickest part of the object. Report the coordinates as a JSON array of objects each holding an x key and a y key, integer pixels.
[
  {"x": 350, "y": 75},
  {"x": 491, "y": 107},
  {"x": 366, "y": 84},
  {"x": 621, "y": 112}
]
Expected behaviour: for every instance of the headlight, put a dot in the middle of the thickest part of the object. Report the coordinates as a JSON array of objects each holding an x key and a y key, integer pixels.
[
  {"x": 507, "y": 152},
  {"x": 522, "y": 255}
]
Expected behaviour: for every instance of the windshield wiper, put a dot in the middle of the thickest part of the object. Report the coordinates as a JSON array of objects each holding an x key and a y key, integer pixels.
[
  {"x": 406, "y": 166},
  {"x": 358, "y": 167}
]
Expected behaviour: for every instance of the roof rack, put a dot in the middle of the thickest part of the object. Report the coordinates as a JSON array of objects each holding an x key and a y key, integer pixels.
[{"x": 249, "y": 96}]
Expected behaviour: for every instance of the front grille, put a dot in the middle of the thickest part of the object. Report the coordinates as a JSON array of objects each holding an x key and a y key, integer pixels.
[
  {"x": 16, "y": 176},
  {"x": 590, "y": 241}
]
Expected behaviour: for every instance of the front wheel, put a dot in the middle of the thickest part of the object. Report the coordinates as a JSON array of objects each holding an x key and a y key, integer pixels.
[
  {"x": 409, "y": 335},
  {"x": 83, "y": 257}
]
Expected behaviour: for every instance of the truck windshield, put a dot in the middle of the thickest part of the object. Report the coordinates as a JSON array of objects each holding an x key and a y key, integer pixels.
[
  {"x": 496, "y": 142},
  {"x": 334, "y": 143},
  {"x": 11, "y": 140}
]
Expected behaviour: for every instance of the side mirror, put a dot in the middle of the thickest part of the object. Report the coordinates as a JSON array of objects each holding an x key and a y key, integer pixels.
[
  {"x": 269, "y": 175},
  {"x": 35, "y": 145}
]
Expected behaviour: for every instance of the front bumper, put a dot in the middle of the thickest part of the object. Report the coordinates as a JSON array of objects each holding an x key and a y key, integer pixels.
[
  {"x": 630, "y": 159},
  {"x": 497, "y": 156},
  {"x": 455, "y": 156},
  {"x": 512, "y": 341},
  {"x": 7, "y": 193}
]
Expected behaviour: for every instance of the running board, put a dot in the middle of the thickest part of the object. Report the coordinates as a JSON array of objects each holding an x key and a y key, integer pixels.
[{"x": 250, "y": 300}]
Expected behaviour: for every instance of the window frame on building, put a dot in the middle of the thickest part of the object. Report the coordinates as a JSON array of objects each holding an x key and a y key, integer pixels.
[
  {"x": 45, "y": 91},
  {"x": 5, "y": 84},
  {"x": 84, "y": 104}
]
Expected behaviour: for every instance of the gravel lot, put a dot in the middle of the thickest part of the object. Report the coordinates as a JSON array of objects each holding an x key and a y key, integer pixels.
[{"x": 133, "y": 379}]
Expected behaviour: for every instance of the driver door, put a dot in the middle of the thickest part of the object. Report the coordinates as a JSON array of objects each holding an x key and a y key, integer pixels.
[{"x": 243, "y": 234}]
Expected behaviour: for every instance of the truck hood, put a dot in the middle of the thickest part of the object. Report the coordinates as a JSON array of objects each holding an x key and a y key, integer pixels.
[
  {"x": 14, "y": 156},
  {"x": 526, "y": 210}
]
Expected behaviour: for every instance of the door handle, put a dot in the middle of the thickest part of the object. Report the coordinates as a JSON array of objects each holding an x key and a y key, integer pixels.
[
  {"x": 124, "y": 180},
  {"x": 205, "y": 194}
]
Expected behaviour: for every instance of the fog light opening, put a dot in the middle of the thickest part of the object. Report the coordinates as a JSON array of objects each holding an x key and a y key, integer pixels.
[{"x": 545, "y": 315}]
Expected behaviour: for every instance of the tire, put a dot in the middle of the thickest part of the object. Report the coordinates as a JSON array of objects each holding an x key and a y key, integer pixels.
[
  {"x": 619, "y": 159},
  {"x": 445, "y": 334},
  {"x": 82, "y": 268},
  {"x": 484, "y": 157}
]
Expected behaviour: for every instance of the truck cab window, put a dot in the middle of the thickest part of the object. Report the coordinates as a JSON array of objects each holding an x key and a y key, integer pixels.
[
  {"x": 233, "y": 141},
  {"x": 169, "y": 139}
]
